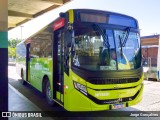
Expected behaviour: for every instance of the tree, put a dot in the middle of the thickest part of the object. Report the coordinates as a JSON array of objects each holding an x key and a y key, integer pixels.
[
  {"x": 12, "y": 47},
  {"x": 13, "y": 42},
  {"x": 11, "y": 52}
]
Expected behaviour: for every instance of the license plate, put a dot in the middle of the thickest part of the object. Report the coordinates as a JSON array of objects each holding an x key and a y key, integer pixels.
[{"x": 117, "y": 106}]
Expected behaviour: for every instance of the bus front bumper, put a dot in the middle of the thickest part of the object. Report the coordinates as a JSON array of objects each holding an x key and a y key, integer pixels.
[{"x": 79, "y": 102}]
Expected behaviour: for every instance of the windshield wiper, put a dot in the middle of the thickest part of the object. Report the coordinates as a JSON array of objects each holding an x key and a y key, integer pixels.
[
  {"x": 122, "y": 41},
  {"x": 100, "y": 31},
  {"x": 126, "y": 36},
  {"x": 121, "y": 45},
  {"x": 105, "y": 55}
]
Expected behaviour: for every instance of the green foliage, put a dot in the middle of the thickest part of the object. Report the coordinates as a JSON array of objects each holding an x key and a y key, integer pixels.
[
  {"x": 12, "y": 47},
  {"x": 12, "y": 43},
  {"x": 11, "y": 52}
]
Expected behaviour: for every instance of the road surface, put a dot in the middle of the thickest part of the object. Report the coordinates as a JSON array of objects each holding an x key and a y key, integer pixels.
[{"x": 150, "y": 101}]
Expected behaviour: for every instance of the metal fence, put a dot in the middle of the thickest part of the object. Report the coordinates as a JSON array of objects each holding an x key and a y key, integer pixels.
[{"x": 150, "y": 68}]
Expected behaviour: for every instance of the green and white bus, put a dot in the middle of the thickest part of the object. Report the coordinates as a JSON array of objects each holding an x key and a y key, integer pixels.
[{"x": 85, "y": 60}]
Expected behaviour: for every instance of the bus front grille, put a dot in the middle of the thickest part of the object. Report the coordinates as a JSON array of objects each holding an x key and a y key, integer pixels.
[
  {"x": 101, "y": 81},
  {"x": 113, "y": 101}
]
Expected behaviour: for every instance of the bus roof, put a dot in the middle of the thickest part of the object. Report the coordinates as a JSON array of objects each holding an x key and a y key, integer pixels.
[
  {"x": 102, "y": 11},
  {"x": 84, "y": 10}
]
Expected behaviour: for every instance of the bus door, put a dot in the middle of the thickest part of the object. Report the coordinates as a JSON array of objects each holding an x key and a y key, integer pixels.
[
  {"x": 58, "y": 67},
  {"x": 27, "y": 61}
]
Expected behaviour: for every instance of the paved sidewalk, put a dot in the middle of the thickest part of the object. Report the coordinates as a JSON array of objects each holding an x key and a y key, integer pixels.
[{"x": 18, "y": 102}]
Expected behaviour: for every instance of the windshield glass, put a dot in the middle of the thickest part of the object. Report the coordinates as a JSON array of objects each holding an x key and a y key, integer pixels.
[
  {"x": 99, "y": 48},
  {"x": 127, "y": 53}
]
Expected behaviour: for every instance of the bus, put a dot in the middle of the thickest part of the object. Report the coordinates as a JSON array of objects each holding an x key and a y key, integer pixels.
[{"x": 85, "y": 60}]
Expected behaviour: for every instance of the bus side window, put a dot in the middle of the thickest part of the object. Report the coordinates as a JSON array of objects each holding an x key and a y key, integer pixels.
[
  {"x": 34, "y": 50},
  {"x": 41, "y": 45}
]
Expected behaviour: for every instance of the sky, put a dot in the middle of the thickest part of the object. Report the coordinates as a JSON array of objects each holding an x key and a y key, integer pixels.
[{"x": 145, "y": 11}]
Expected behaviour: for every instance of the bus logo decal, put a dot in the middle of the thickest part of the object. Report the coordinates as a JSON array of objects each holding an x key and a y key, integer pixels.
[{"x": 101, "y": 94}]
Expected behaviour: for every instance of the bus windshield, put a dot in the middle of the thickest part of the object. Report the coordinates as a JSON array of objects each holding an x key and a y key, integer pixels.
[{"x": 100, "y": 48}]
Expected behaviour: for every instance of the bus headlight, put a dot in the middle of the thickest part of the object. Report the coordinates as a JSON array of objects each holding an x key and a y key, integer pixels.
[{"x": 80, "y": 87}]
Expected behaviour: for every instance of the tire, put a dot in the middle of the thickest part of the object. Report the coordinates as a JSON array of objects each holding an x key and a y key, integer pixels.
[
  {"x": 48, "y": 94},
  {"x": 22, "y": 76}
]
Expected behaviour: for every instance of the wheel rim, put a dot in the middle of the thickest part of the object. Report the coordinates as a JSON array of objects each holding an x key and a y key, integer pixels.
[{"x": 49, "y": 93}]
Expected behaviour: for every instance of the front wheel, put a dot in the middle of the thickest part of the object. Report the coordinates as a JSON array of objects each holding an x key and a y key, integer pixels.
[{"x": 48, "y": 94}]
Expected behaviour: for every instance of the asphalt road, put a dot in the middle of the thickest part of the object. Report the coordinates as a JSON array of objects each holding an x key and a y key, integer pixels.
[{"x": 150, "y": 101}]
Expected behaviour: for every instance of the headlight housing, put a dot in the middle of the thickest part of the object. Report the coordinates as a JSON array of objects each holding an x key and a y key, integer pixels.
[{"x": 80, "y": 87}]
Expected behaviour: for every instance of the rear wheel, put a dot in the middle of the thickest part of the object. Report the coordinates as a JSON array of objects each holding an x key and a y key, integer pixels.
[
  {"x": 22, "y": 76},
  {"x": 48, "y": 94}
]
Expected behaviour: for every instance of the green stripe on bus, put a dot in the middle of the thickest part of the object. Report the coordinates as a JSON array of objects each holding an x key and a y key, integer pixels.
[{"x": 3, "y": 40}]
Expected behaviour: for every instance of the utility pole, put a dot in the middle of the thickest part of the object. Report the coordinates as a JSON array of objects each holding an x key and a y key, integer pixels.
[{"x": 21, "y": 32}]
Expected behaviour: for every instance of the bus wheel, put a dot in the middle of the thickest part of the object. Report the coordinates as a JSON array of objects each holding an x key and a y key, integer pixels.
[
  {"x": 22, "y": 76},
  {"x": 48, "y": 94}
]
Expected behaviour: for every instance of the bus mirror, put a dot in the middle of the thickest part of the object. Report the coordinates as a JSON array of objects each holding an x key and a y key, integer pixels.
[
  {"x": 69, "y": 38},
  {"x": 63, "y": 15}
]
